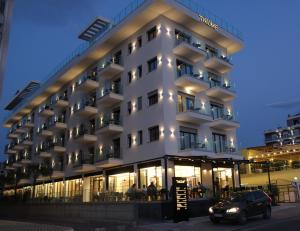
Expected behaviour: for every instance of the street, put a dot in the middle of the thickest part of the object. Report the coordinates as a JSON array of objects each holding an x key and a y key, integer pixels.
[{"x": 283, "y": 216}]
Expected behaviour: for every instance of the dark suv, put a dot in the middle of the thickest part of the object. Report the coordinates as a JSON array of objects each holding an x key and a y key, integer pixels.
[{"x": 241, "y": 205}]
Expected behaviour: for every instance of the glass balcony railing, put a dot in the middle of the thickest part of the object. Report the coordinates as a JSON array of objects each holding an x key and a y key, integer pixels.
[
  {"x": 185, "y": 145},
  {"x": 116, "y": 88},
  {"x": 85, "y": 102},
  {"x": 106, "y": 153},
  {"x": 188, "y": 40},
  {"x": 183, "y": 70},
  {"x": 222, "y": 116},
  {"x": 83, "y": 130},
  {"x": 106, "y": 121},
  {"x": 223, "y": 85},
  {"x": 199, "y": 110},
  {"x": 82, "y": 159}
]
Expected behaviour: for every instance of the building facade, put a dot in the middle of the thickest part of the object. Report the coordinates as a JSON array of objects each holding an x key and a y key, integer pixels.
[
  {"x": 284, "y": 135},
  {"x": 5, "y": 18},
  {"x": 148, "y": 98}
]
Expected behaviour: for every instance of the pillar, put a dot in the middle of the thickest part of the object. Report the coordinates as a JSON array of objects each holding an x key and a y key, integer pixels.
[{"x": 86, "y": 184}]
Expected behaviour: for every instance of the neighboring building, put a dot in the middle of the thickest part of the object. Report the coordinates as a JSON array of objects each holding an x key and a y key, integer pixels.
[
  {"x": 5, "y": 18},
  {"x": 284, "y": 135},
  {"x": 148, "y": 98},
  {"x": 281, "y": 150}
]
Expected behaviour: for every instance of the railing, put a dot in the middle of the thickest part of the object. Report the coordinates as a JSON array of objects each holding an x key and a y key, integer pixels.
[
  {"x": 84, "y": 103},
  {"x": 198, "y": 110},
  {"x": 107, "y": 153},
  {"x": 119, "y": 18},
  {"x": 82, "y": 80},
  {"x": 106, "y": 121},
  {"x": 270, "y": 139},
  {"x": 87, "y": 158},
  {"x": 90, "y": 130},
  {"x": 221, "y": 116},
  {"x": 112, "y": 60},
  {"x": 214, "y": 84},
  {"x": 117, "y": 89},
  {"x": 224, "y": 58},
  {"x": 188, "y": 146},
  {"x": 190, "y": 41},
  {"x": 199, "y": 10}
]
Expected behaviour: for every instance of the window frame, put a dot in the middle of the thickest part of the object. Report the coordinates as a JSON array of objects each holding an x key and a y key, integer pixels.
[{"x": 153, "y": 136}]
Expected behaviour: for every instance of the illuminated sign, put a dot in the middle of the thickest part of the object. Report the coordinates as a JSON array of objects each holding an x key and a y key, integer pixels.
[
  {"x": 180, "y": 199},
  {"x": 208, "y": 22}
]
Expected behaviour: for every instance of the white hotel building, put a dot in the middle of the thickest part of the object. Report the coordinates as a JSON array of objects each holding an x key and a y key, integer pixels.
[{"x": 147, "y": 97}]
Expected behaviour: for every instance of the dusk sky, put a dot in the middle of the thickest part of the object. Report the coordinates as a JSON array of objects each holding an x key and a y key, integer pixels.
[{"x": 265, "y": 72}]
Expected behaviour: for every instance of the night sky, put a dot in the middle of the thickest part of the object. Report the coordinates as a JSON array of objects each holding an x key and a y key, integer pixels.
[{"x": 265, "y": 72}]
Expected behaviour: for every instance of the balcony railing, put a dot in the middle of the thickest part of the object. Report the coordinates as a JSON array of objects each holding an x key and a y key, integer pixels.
[
  {"x": 82, "y": 159},
  {"x": 189, "y": 41},
  {"x": 185, "y": 145},
  {"x": 202, "y": 111},
  {"x": 106, "y": 121},
  {"x": 107, "y": 153},
  {"x": 222, "y": 116},
  {"x": 82, "y": 80},
  {"x": 117, "y": 89},
  {"x": 91, "y": 102},
  {"x": 229, "y": 87}
]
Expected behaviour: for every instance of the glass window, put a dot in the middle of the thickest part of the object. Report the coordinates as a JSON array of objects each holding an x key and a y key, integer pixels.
[
  {"x": 129, "y": 77},
  {"x": 153, "y": 133},
  {"x": 139, "y": 41},
  {"x": 140, "y": 71},
  {"x": 188, "y": 140},
  {"x": 129, "y": 140},
  {"x": 130, "y": 48},
  {"x": 152, "y": 33},
  {"x": 120, "y": 182},
  {"x": 139, "y": 103},
  {"x": 152, "y": 64},
  {"x": 97, "y": 186},
  {"x": 140, "y": 137},
  {"x": 192, "y": 173},
  {"x": 151, "y": 174},
  {"x": 152, "y": 97},
  {"x": 219, "y": 142},
  {"x": 129, "y": 108},
  {"x": 223, "y": 181}
]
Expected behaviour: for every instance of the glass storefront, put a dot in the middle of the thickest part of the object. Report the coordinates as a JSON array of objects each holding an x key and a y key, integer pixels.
[
  {"x": 120, "y": 182},
  {"x": 74, "y": 188},
  {"x": 97, "y": 188},
  {"x": 223, "y": 181},
  {"x": 151, "y": 174},
  {"x": 192, "y": 173}
]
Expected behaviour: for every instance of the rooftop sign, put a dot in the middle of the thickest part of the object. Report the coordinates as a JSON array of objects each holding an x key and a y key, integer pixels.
[{"x": 208, "y": 22}]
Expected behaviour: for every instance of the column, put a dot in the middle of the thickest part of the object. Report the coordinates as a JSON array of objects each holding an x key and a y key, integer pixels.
[{"x": 86, "y": 184}]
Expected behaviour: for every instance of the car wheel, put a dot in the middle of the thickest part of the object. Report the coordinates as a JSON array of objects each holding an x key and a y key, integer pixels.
[
  {"x": 267, "y": 213},
  {"x": 242, "y": 218},
  {"x": 214, "y": 220}
]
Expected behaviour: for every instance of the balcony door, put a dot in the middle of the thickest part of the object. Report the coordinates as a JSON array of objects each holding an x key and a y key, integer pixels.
[
  {"x": 217, "y": 110},
  {"x": 116, "y": 147},
  {"x": 188, "y": 138},
  {"x": 219, "y": 142}
]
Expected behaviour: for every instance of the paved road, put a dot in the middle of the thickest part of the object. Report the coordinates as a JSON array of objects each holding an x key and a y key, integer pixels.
[
  {"x": 6, "y": 225},
  {"x": 286, "y": 215}
]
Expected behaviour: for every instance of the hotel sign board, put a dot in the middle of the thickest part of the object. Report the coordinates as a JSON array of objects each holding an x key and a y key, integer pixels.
[
  {"x": 180, "y": 199},
  {"x": 208, "y": 22}
]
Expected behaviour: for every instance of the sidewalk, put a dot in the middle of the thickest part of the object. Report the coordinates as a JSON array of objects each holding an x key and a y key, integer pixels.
[{"x": 6, "y": 225}]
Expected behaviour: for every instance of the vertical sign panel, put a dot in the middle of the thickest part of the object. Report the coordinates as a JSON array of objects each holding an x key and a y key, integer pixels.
[{"x": 180, "y": 199}]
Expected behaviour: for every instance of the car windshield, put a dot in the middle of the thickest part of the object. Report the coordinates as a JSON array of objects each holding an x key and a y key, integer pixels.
[{"x": 236, "y": 197}]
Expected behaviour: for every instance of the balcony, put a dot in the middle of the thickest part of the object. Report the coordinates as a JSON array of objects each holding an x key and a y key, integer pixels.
[
  {"x": 194, "y": 115},
  {"x": 58, "y": 169},
  {"x": 186, "y": 148},
  {"x": 111, "y": 69},
  {"x": 218, "y": 63},
  {"x": 45, "y": 154},
  {"x": 192, "y": 82},
  {"x": 19, "y": 145},
  {"x": 27, "y": 158},
  {"x": 28, "y": 123},
  {"x": 107, "y": 157},
  {"x": 58, "y": 124},
  {"x": 12, "y": 135},
  {"x": 20, "y": 129},
  {"x": 87, "y": 84},
  {"x": 109, "y": 126},
  {"x": 45, "y": 132},
  {"x": 58, "y": 146},
  {"x": 9, "y": 164},
  {"x": 46, "y": 112},
  {"x": 84, "y": 163},
  {"x": 87, "y": 108},
  {"x": 9, "y": 148},
  {"x": 61, "y": 102},
  {"x": 221, "y": 91},
  {"x": 224, "y": 122},
  {"x": 110, "y": 97},
  {"x": 85, "y": 136},
  {"x": 189, "y": 50}
]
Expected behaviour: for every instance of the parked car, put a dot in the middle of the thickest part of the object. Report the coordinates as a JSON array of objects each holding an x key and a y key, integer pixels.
[{"x": 240, "y": 206}]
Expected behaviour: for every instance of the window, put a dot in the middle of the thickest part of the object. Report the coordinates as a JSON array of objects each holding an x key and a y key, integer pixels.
[
  {"x": 152, "y": 33},
  {"x": 152, "y": 64},
  {"x": 139, "y": 41},
  {"x": 219, "y": 143},
  {"x": 129, "y": 108},
  {"x": 140, "y": 137},
  {"x": 129, "y": 140},
  {"x": 129, "y": 77},
  {"x": 188, "y": 138},
  {"x": 153, "y": 133},
  {"x": 130, "y": 48},
  {"x": 139, "y": 103},
  {"x": 152, "y": 97},
  {"x": 140, "y": 71}
]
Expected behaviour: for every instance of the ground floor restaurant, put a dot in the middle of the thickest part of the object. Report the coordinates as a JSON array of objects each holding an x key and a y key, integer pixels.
[{"x": 205, "y": 177}]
